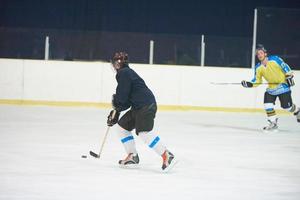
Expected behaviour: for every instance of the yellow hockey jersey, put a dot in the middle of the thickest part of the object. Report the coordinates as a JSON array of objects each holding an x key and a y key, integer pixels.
[{"x": 274, "y": 73}]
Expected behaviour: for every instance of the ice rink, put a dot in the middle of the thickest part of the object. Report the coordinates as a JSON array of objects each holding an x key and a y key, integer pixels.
[{"x": 221, "y": 156}]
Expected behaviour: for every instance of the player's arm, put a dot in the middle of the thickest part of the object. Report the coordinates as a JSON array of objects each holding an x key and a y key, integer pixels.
[
  {"x": 289, "y": 76},
  {"x": 120, "y": 100},
  {"x": 255, "y": 81},
  {"x": 284, "y": 67}
]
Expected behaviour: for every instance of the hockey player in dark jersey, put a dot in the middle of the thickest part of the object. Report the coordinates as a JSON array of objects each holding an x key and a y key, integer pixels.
[{"x": 132, "y": 92}]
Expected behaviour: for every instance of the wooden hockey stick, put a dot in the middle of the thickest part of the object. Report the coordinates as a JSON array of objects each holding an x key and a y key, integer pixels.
[
  {"x": 102, "y": 145},
  {"x": 103, "y": 141}
]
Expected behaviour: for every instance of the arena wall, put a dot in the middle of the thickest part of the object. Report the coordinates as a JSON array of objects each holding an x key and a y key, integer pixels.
[{"x": 73, "y": 83}]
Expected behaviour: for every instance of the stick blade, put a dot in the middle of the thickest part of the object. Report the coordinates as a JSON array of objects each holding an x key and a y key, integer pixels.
[{"x": 94, "y": 154}]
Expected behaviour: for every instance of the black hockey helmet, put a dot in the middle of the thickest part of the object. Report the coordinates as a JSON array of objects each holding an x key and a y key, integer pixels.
[
  {"x": 261, "y": 47},
  {"x": 119, "y": 60}
]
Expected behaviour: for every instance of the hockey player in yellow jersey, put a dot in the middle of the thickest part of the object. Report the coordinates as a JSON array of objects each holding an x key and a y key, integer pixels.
[{"x": 280, "y": 78}]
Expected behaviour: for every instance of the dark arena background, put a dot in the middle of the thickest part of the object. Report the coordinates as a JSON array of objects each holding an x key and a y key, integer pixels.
[{"x": 94, "y": 29}]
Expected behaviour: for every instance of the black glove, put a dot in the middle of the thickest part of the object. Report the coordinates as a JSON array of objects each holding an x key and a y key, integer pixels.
[
  {"x": 113, "y": 118},
  {"x": 247, "y": 84},
  {"x": 290, "y": 80}
]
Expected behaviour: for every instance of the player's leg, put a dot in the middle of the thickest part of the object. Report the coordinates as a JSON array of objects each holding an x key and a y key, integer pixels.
[
  {"x": 287, "y": 104},
  {"x": 126, "y": 125},
  {"x": 144, "y": 128},
  {"x": 269, "y": 103}
]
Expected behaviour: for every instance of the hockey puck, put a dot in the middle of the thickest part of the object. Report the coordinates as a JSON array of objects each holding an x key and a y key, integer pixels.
[{"x": 83, "y": 156}]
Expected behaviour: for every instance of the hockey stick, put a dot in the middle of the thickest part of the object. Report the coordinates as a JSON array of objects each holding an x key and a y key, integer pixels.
[
  {"x": 102, "y": 145},
  {"x": 103, "y": 141},
  {"x": 214, "y": 83}
]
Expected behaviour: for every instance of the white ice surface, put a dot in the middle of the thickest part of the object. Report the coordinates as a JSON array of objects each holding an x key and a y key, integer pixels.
[{"x": 223, "y": 156}]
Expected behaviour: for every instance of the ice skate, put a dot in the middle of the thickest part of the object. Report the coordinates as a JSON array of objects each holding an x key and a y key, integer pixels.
[
  {"x": 131, "y": 161},
  {"x": 272, "y": 126},
  {"x": 297, "y": 114},
  {"x": 168, "y": 161}
]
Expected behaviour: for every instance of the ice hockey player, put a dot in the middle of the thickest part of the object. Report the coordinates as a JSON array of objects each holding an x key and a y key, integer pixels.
[
  {"x": 280, "y": 78},
  {"x": 132, "y": 92}
]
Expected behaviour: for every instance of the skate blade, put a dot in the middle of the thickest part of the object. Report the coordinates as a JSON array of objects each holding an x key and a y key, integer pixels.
[
  {"x": 130, "y": 166},
  {"x": 271, "y": 131},
  {"x": 171, "y": 166}
]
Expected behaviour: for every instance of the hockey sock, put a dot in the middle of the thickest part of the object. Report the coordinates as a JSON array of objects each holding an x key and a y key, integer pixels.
[
  {"x": 153, "y": 141},
  {"x": 269, "y": 107},
  {"x": 127, "y": 140}
]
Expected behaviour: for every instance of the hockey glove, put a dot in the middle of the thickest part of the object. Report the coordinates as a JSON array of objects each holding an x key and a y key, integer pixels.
[
  {"x": 113, "y": 118},
  {"x": 247, "y": 84},
  {"x": 290, "y": 80}
]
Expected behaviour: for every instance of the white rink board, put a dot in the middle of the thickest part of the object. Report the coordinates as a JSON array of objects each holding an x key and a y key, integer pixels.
[{"x": 95, "y": 82}]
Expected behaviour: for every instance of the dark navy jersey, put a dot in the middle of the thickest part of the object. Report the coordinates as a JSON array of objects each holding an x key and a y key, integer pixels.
[{"x": 131, "y": 90}]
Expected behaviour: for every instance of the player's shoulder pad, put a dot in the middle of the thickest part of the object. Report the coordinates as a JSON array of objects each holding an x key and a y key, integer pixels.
[{"x": 275, "y": 58}]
